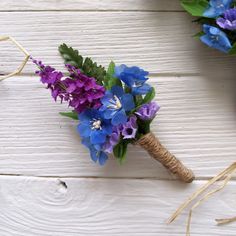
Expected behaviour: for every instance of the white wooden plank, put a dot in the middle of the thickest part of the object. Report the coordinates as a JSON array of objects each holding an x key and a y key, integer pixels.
[
  {"x": 69, "y": 207},
  {"x": 153, "y": 5},
  {"x": 161, "y": 42},
  {"x": 196, "y": 122}
]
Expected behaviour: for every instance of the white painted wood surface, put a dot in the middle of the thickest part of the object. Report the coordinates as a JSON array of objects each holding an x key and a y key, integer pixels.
[{"x": 48, "y": 184}]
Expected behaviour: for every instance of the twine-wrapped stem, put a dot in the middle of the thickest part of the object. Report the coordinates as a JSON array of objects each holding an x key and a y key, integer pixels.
[{"x": 156, "y": 150}]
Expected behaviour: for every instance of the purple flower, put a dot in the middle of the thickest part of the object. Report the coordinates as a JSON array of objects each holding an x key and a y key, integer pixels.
[
  {"x": 148, "y": 111},
  {"x": 79, "y": 90},
  {"x": 129, "y": 129},
  {"x": 229, "y": 20},
  {"x": 113, "y": 139}
]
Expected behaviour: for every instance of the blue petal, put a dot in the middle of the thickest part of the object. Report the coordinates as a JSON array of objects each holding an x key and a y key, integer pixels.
[
  {"x": 107, "y": 128},
  {"x": 117, "y": 90},
  {"x": 206, "y": 39},
  {"x": 109, "y": 113},
  {"x": 94, "y": 154},
  {"x": 97, "y": 137},
  {"x": 206, "y": 28},
  {"x": 217, "y": 8},
  {"x": 210, "y": 12},
  {"x": 88, "y": 115},
  {"x": 86, "y": 142},
  {"x": 127, "y": 102},
  {"x": 224, "y": 41},
  {"x": 119, "y": 70},
  {"x": 98, "y": 147},
  {"x": 128, "y": 80},
  {"x": 84, "y": 130},
  {"x": 119, "y": 118},
  {"x": 102, "y": 158},
  {"x": 144, "y": 89},
  {"x": 105, "y": 100}
]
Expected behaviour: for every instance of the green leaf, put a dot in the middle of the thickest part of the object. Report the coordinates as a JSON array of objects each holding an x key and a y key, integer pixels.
[
  {"x": 110, "y": 80},
  {"x": 138, "y": 99},
  {"x": 120, "y": 151},
  {"x": 72, "y": 115},
  {"x": 87, "y": 66},
  {"x": 195, "y": 7},
  {"x": 71, "y": 56},
  {"x": 149, "y": 96},
  {"x": 198, "y": 35},
  {"x": 232, "y": 51},
  {"x": 143, "y": 126},
  {"x": 111, "y": 69}
]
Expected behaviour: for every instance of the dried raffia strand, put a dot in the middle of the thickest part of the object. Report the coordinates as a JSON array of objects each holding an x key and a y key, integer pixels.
[
  {"x": 225, "y": 221},
  {"x": 21, "y": 67},
  {"x": 227, "y": 175},
  {"x": 150, "y": 143},
  {"x": 204, "y": 198}
]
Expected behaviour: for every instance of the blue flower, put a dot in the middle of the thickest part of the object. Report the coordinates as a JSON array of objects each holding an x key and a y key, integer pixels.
[
  {"x": 95, "y": 152},
  {"x": 115, "y": 104},
  {"x": 134, "y": 78},
  {"x": 215, "y": 38},
  {"x": 216, "y": 8},
  {"x": 94, "y": 126}
]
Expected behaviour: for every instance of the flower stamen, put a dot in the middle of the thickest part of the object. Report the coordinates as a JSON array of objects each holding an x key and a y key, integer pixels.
[
  {"x": 115, "y": 103},
  {"x": 96, "y": 124}
]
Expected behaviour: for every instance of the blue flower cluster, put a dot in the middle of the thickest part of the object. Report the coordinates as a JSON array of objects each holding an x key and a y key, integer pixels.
[
  {"x": 219, "y": 23},
  {"x": 101, "y": 129}
]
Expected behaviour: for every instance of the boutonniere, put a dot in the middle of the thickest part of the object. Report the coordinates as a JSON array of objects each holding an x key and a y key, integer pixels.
[
  {"x": 217, "y": 20},
  {"x": 114, "y": 108}
]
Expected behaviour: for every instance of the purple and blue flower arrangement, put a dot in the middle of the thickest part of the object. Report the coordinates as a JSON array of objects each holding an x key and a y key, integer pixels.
[
  {"x": 218, "y": 20},
  {"x": 114, "y": 108}
]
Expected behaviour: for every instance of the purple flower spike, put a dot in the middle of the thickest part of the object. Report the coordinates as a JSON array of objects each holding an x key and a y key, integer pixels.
[
  {"x": 148, "y": 111},
  {"x": 229, "y": 20},
  {"x": 129, "y": 129},
  {"x": 79, "y": 90}
]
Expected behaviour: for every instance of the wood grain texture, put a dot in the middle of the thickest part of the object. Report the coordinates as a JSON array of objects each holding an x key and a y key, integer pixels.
[
  {"x": 196, "y": 122},
  {"x": 160, "y": 42},
  {"x": 71, "y": 207},
  {"x": 196, "y": 90},
  {"x": 72, "y": 5}
]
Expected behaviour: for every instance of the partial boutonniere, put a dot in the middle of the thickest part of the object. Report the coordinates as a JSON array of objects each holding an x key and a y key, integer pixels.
[
  {"x": 218, "y": 22},
  {"x": 203, "y": 194}
]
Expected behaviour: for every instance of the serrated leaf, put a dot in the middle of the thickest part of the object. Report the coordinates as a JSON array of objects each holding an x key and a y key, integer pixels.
[
  {"x": 120, "y": 151},
  {"x": 71, "y": 56},
  {"x": 73, "y": 115},
  {"x": 195, "y": 7},
  {"x": 149, "y": 96},
  {"x": 87, "y": 66}
]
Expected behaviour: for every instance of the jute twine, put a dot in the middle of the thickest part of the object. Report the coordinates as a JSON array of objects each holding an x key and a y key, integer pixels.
[{"x": 156, "y": 150}]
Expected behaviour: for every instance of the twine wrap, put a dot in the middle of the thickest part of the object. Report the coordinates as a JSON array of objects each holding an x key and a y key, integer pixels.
[{"x": 156, "y": 150}]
